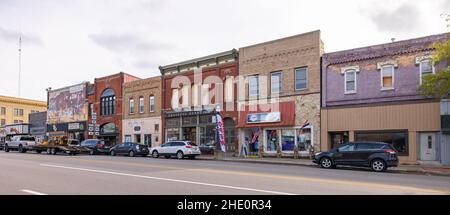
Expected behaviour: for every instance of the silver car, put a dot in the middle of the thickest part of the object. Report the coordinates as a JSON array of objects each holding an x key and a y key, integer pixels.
[{"x": 180, "y": 149}]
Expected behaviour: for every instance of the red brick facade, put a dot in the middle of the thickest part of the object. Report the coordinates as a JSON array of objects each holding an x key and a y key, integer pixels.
[{"x": 114, "y": 82}]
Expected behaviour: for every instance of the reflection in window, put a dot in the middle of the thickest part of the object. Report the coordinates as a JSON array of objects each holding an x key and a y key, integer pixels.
[
  {"x": 287, "y": 140},
  {"x": 397, "y": 139}
]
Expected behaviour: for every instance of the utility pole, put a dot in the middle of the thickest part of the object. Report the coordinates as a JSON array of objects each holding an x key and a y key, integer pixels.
[{"x": 20, "y": 61}]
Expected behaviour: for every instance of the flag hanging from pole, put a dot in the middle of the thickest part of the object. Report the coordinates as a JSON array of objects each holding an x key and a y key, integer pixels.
[{"x": 220, "y": 132}]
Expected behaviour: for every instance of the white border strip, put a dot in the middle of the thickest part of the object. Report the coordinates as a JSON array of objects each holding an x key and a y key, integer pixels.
[{"x": 33, "y": 192}]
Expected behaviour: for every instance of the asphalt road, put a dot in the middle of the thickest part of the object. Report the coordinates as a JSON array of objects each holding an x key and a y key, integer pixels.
[{"x": 33, "y": 174}]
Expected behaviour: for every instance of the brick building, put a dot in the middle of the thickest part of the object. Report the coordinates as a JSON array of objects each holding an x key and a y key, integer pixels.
[
  {"x": 107, "y": 106},
  {"x": 279, "y": 97},
  {"x": 193, "y": 91},
  {"x": 370, "y": 94},
  {"x": 142, "y": 111}
]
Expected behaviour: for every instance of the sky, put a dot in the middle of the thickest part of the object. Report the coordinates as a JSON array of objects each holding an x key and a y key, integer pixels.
[{"x": 71, "y": 41}]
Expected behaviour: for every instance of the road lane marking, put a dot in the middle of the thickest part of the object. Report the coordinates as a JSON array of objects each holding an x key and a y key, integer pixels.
[
  {"x": 33, "y": 192},
  {"x": 168, "y": 179}
]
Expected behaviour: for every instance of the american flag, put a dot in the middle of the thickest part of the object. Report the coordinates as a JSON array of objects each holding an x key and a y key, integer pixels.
[
  {"x": 305, "y": 124},
  {"x": 255, "y": 135}
]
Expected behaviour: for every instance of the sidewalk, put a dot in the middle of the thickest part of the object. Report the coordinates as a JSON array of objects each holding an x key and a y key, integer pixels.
[{"x": 411, "y": 169}]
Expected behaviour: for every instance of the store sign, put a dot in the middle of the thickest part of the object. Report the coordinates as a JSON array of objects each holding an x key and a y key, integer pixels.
[
  {"x": 174, "y": 114},
  {"x": 74, "y": 126},
  {"x": 264, "y": 118}
]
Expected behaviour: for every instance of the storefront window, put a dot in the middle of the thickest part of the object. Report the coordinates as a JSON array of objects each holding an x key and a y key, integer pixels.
[
  {"x": 304, "y": 139},
  {"x": 148, "y": 140},
  {"x": 175, "y": 122},
  {"x": 206, "y": 119},
  {"x": 173, "y": 134},
  {"x": 190, "y": 134},
  {"x": 338, "y": 138},
  {"x": 287, "y": 140},
  {"x": 397, "y": 139},
  {"x": 272, "y": 140},
  {"x": 207, "y": 136},
  {"x": 191, "y": 120}
]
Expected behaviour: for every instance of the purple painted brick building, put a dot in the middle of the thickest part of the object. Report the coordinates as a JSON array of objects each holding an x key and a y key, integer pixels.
[{"x": 370, "y": 94}]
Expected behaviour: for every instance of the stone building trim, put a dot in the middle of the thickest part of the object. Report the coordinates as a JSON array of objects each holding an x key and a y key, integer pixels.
[
  {"x": 347, "y": 68},
  {"x": 387, "y": 63}
]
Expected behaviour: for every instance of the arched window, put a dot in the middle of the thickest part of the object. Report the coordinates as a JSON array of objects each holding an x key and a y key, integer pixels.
[{"x": 108, "y": 102}]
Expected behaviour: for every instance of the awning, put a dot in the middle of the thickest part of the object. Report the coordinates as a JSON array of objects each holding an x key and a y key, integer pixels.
[{"x": 267, "y": 115}]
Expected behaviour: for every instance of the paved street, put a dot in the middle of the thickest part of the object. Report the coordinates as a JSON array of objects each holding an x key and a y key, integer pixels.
[{"x": 44, "y": 174}]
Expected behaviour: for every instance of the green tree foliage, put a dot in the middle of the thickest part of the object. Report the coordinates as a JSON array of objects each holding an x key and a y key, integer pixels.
[{"x": 438, "y": 85}]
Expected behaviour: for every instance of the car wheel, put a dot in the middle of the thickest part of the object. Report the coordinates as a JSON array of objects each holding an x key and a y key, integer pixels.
[
  {"x": 155, "y": 154},
  {"x": 53, "y": 151},
  {"x": 167, "y": 156},
  {"x": 180, "y": 155},
  {"x": 131, "y": 153},
  {"x": 49, "y": 151},
  {"x": 6, "y": 148},
  {"x": 378, "y": 165},
  {"x": 326, "y": 163},
  {"x": 113, "y": 153},
  {"x": 20, "y": 149}
]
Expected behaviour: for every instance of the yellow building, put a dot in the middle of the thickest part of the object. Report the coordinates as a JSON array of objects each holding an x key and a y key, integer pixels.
[{"x": 16, "y": 110}]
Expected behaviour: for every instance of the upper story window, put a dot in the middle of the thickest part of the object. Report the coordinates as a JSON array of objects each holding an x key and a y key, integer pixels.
[
  {"x": 141, "y": 104},
  {"x": 3, "y": 122},
  {"x": 205, "y": 94},
  {"x": 108, "y": 102},
  {"x": 175, "y": 97},
  {"x": 229, "y": 89},
  {"x": 195, "y": 93},
  {"x": 275, "y": 82},
  {"x": 18, "y": 112},
  {"x": 185, "y": 95},
  {"x": 387, "y": 71},
  {"x": 387, "y": 77},
  {"x": 253, "y": 86},
  {"x": 301, "y": 78},
  {"x": 131, "y": 105},
  {"x": 426, "y": 66},
  {"x": 350, "y": 81},
  {"x": 3, "y": 111},
  {"x": 152, "y": 104}
]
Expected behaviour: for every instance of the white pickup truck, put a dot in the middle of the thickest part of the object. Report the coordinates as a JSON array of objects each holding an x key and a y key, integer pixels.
[{"x": 20, "y": 143}]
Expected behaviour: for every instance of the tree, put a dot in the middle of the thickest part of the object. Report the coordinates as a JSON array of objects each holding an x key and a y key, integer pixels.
[{"x": 438, "y": 85}]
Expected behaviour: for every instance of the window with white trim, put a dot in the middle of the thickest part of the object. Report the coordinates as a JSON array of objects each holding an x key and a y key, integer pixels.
[
  {"x": 301, "y": 78},
  {"x": 253, "y": 86},
  {"x": 205, "y": 94},
  {"x": 387, "y": 77},
  {"x": 229, "y": 89},
  {"x": 141, "y": 104},
  {"x": 152, "y": 104},
  {"x": 175, "y": 99},
  {"x": 426, "y": 68},
  {"x": 275, "y": 82},
  {"x": 131, "y": 106},
  {"x": 350, "y": 81}
]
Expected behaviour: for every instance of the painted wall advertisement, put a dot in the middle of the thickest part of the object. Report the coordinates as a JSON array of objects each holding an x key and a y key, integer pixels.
[{"x": 67, "y": 105}]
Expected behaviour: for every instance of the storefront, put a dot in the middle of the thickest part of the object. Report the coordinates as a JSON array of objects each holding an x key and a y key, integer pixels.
[
  {"x": 145, "y": 131},
  {"x": 109, "y": 133},
  {"x": 274, "y": 133},
  {"x": 199, "y": 127}
]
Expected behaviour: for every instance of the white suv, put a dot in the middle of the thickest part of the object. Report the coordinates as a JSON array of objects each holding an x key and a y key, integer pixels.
[
  {"x": 20, "y": 143},
  {"x": 180, "y": 149}
]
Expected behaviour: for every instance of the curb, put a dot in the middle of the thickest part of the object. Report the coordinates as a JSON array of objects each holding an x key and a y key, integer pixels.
[{"x": 401, "y": 171}]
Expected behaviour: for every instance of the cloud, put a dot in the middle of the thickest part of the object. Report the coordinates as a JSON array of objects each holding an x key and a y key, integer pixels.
[
  {"x": 127, "y": 42},
  {"x": 13, "y": 36},
  {"x": 402, "y": 19}
]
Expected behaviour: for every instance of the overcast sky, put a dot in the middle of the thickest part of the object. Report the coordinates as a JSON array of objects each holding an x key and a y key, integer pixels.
[{"x": 67, "y": 42}]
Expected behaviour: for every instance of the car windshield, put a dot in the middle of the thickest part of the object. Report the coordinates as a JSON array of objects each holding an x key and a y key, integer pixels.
[{"x": 27, "y": 138}]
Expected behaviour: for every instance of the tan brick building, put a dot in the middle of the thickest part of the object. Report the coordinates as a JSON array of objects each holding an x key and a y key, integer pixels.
[
  {"x": 280, "y": 106},
  {"x": 142, "y": 111}
]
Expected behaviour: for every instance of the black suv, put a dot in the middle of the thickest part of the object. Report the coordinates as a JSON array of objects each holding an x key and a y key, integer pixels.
[
  {"x": 95, "y": 146},
  {"x": 377, "y": 156}
]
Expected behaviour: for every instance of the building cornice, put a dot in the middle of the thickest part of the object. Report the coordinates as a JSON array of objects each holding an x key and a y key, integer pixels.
[{"x": 22, "y": 101}]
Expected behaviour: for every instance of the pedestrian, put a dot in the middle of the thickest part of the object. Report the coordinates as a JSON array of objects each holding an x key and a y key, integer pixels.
[{"x": 244, "y": 148}]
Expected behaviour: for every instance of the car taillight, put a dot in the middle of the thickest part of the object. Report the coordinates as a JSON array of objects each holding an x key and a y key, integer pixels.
[
  {"x": 390, "y": 151},
  {"x": 99, "y": 145},
  {"x": 189, "y": 147}
]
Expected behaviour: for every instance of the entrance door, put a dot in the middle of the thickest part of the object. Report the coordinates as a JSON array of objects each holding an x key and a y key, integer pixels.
[
  {"x": 230, "y": 136},
  {"x": 428, "y": 146}
]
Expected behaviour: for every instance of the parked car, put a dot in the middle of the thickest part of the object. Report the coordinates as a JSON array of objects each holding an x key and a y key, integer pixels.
[
  {"x": 207, "y": 148},
  {"x": 130, "y": 149},
  {"x": 180, "y": 149},
  {"x": 378, "y": 156},
  {"x": 2, "y": 144},
  {"x": 20, "y": 143},
  {"x": 96, "y": 146}
]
